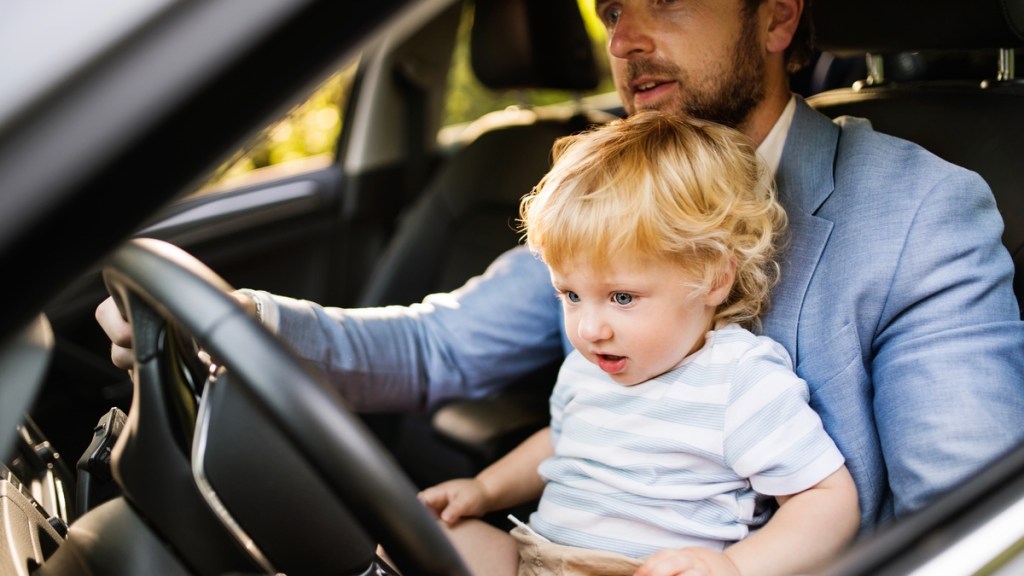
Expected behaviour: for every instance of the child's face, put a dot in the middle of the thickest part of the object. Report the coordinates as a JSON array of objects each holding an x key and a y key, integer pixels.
[{"x": 635, "y": 319}]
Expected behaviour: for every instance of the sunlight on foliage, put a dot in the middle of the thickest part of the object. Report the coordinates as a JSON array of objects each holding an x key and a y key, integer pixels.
[
  {"x": 468, "y": 99},
  {"x": 310, "y": 131}
]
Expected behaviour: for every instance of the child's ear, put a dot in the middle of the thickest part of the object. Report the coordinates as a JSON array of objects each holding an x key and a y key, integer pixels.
[{"x": 723, "y": 285}]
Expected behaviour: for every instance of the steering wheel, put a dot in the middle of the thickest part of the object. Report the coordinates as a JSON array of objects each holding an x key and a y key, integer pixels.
[{"x": 313, "y": 471}]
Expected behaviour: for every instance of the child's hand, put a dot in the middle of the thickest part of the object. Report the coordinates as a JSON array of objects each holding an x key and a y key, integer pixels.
[
  {"x": 688, "y": 562},
  {"x": 455, "y": 499}
]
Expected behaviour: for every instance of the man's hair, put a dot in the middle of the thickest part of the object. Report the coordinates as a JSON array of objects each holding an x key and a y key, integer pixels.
[
  {"x": 801, "y": 48},
  {"x": 662, "y": 186}
]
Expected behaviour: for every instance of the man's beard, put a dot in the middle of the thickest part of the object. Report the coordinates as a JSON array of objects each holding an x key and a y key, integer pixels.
[{"x": 727, "y": 97}]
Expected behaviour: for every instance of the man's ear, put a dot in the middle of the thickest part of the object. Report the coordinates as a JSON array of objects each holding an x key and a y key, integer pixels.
[
  {"x": 722, "y": 286},
  {"x": 783, "y": 19}
]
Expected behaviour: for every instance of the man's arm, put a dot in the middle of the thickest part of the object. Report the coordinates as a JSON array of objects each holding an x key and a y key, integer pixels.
[
  {"x": 468, "y": 343},
  {"x": 465, "y": 344},
  {"x": 949, "y": 364}
]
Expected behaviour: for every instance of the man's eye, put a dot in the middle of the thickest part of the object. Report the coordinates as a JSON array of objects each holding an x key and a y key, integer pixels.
[
  {"x": 611, "y": 16},
  {"x": 572, "y": 296},
  {"x": 622, "y": 298}
]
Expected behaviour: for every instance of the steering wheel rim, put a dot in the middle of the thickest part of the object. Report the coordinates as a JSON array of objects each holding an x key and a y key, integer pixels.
[{"x": 306, "y": 410}]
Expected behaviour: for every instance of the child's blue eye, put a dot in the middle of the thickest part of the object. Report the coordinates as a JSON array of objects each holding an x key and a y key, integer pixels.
[
  {"x": 572, "y": 296},
  {"x": 622, "y": 298}
]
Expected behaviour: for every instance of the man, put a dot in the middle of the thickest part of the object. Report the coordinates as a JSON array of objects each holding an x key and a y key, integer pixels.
[{"x": 895, "y": 302}]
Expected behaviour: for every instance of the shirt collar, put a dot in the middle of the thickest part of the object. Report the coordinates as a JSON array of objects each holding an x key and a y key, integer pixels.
[{"x": 771, "y": 148}]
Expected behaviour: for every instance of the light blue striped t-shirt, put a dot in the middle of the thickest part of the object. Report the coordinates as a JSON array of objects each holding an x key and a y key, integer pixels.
[{"x": 689, "y": 458}]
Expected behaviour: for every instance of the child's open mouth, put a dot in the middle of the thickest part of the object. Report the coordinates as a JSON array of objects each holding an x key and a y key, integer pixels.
[{"x": 611, "y": 364}]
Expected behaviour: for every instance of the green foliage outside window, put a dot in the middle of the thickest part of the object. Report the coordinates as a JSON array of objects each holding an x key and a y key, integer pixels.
[
  {"x": 467, "y": 99},
  {"x": 308, "y": 134}
]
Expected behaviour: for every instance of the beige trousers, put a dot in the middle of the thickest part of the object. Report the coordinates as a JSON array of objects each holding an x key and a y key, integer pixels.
[{"x": 539, "y": 557}]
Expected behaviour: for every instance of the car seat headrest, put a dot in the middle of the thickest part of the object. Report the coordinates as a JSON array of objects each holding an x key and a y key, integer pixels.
[
  {"x": 883, "y": 26},
  {"x": 532, "y": 44}
]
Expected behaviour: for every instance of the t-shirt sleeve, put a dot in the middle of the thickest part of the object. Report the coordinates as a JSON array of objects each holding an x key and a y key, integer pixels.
[
  {"x": 561, "y": 393},
  {"x": 773, "y": 437}
]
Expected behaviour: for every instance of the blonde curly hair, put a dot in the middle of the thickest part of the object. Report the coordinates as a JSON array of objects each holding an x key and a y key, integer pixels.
[{"x": 657, "y": 185}]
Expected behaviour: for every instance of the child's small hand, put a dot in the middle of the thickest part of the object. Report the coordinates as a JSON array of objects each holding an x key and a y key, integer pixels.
[
  {"x": 688, "y": 562},
  {"x": 454, "y": 499}
]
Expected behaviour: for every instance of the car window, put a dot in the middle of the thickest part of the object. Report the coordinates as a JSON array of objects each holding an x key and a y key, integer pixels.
[{"x": 306, "y": 137}]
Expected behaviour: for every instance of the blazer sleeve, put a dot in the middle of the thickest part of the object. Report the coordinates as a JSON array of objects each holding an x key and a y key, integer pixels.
[
  {"x": 948, "y": 367},
  {"x": 467, "y": 343}
]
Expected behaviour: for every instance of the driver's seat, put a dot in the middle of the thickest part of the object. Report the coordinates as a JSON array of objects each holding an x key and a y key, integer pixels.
[{"x": 465, "y": 218}]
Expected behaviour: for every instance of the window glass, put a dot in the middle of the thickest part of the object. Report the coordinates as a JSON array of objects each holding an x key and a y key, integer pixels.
[{"x": 305, "y": 139}]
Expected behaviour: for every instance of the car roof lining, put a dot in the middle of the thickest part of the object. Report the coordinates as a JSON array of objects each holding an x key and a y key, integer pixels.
[{"x": 880, "y": 26}]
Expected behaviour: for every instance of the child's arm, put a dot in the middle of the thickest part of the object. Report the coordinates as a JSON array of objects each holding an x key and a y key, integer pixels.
[
  {"x": 809, "y": 529},
  {"x": 511, "y": 480}
]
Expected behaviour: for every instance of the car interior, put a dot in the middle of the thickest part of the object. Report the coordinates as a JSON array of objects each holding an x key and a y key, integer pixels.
[
  {"x": 927, "y": 62},
  {"x": 219, "y": 456},
  {"x": 466, "y": 216}
]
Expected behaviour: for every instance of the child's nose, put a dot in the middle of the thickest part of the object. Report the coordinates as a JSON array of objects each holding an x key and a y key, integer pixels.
[{"x": 593, "y": 328}]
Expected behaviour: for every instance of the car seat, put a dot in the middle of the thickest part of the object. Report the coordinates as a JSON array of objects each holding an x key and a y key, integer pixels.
[
  {"x": 466, "y": 214},
  {"x": 466, "y": 217},
  {"x": 924, "y": 85}
]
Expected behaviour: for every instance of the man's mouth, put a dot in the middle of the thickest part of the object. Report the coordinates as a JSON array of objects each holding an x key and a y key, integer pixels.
[
  {"x": 651, "y": 93},
  {"x": 647, "y": 84},
  {"x": 650, "y": 82}
]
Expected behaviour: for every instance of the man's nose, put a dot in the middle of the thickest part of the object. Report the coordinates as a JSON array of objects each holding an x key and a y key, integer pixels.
[{"x": 629, "y": 36}]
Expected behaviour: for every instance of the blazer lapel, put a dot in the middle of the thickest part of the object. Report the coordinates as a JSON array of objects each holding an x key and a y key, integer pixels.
[{"x": 805, "y": 179}]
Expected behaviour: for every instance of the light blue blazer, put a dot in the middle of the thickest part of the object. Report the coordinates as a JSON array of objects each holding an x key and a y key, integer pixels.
[{"x": 896, "y": 304}]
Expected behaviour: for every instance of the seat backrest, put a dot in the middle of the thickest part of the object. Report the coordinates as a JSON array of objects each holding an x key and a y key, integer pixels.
[
  {"x": 465, "y": 217},
  {"x": 976, "y": 121}
]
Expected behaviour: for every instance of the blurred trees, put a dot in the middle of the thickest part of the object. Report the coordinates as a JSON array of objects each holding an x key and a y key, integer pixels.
[{"x": 310, "y": 130}]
